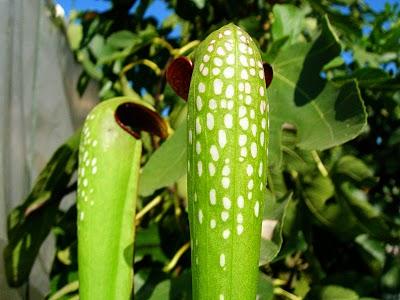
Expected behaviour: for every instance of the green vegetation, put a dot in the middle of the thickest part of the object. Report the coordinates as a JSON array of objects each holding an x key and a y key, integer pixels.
[{"x": 331, "y": 223}]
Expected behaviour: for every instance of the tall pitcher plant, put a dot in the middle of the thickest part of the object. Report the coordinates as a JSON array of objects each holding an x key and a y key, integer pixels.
[{"x": 225, "y": 87}]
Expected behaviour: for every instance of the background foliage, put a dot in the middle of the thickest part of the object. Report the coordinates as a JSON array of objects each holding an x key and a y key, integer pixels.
[{"x": 332, "y": 222}]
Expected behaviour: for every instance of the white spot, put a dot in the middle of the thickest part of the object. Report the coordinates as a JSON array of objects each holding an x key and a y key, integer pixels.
[
  {"x": 244, "y": 123},
  {"x": 200, "y": 216},
  {"x": 230, "y": 59},
  {"x": 249, "y": 195},
  {"x": 201, "y": 67},
  {"x": 242, "y": 111},
  {"x": 250, "y": 184},
  {"x": 212, "y": 104},
  {"x": 228, "y": 46},
  {"x": 263, "y": 106},
  {"x": 82, "y": 215},
  {"x": 210, "y": 121},
  {"x": 216, "y": 71},
  {"x": 205, "y": 71},
  {"x": 226, "y": 233},
  {"x": 247, "y": 88},
  {"x": 212, "y": 42},
  {"x": 256, "y": 208},
  {"x": 199, "y": 103},
  {"x": 222, "y": 264},
  {"x": 226, "y": 202},
  {"x": 263, "y": 123},
  {"x": 202, "y": 87},
  {"x": 214, "y": 153},
  {"x": 243, "y": 60},
  {"x": 242, "y": 139},
  {"x": 228, "y": 121},
  {"x": 254, "y": 129},
  {"x": 229, "y": 91},
  {"x": 261, "y": 90},
  {"x": 85, "y": 182},
  {"x": 221, "y": 297},
  {"x": 252, "y": 72},
  {"x": 211, "y": 169},
  {"x": 260, "y": 169},
  {"x": 252, "y": 114},
  {"x": 94, "y": 144},
  {"x": 252, "y": 62},
  {"x": 240, "y": 202},
  {"x": 226, "y": 171},
  {"x": 221, "y": 138},
  {"x": 190, "y": 137},
  {"x": 243, "y": 152},
  {"x": 239, "y": 218},
  {"x": 198, "y": 126},
  {"x": 220, "y": 51},
  {"x": 198, "y": 147},
  {"x": 227, "y": 32},
  {"x": 210, "y": 48},
  {"x": 224, "y": 215},
  {"x": 239, "y": 229},
  {"x": 249, "y": 170},
  {"x": 253, "y": 150},
  {"x": 217, "y": 61},
  {"x": 241, "y": 86},
  {"x": 242, "y": 48},
  {"x": 261, "y": 74},
  {"x": 261, "y": 186},
  {"x": 229, "y": 72},
  {"x": 199, "y": 168},
  {"x": 248, "y": 99},
  {"x": 230, "y": 104},
  {"x": 218, "y": 86},
  {"x": 244, "y": 74},
  {"x": 225, "y": 181},
  {"x": 94, "y": 170},
  {"x": 213, "y": 197},
  {"x": 206, "y": 58},
  {"x": 213, "y": 223},
  {"x": 259, "y": 64},
  {"x": 262, "y": 138}
]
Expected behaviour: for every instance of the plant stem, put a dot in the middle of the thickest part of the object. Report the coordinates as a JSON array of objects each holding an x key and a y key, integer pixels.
[{"x": 176, "y": 257}]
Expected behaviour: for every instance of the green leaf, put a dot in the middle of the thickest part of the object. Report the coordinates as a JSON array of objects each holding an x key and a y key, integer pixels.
[
  {"x": 162, "y": 290},
  {"x": 74, "y": 34},
  {"x": 147, "y": 242},
  {"x": 274, "y": 217},
  {"x": 322, "y": 113},
  {"x": 352, "y": 177},
  {"x": 199, "y": 3},
  {"x": 121, "y": 39},
  {"x": 333, "y": 292},
  {"x": 30, "y": 223},
  {"x": 373, "y": 247},
  {"x": 288, "y": 21},
  {"x": 166, "y": 165},
  {"x": 265, "y": 288},
  {"x": 126, "y": 43},
  {"x": 318, "y": 195}
]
